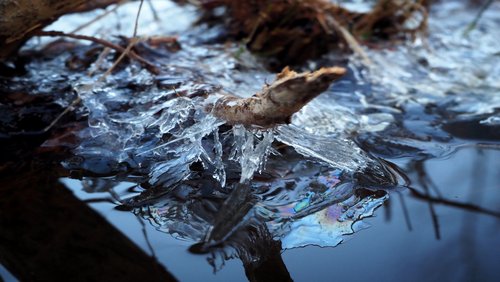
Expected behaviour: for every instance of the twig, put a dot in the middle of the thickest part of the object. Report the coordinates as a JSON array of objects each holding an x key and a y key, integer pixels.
[
  {"x": 99, "y": 17},
  {"x": 67, "y": 110},
  {"x": 137, "y": 18},
  {"x": 419, "y": 166},
  {"x": 473, "y": 24},
  {"x": 153, "y": 11},
  {"x": 276, "y": 103},
  {"x": 130, "y": 45},
  {"x": 99, "y": 200},
  {"x": 349, "y": 38},
  {"x": 52, "y": 124},
  {"x": 387, "y": 211},
  {"x": 53, "y": 33},
  {"x": 99, "y": 61},
  {"x": 487, "y": 146},
  {"x": 125, "y": 52},
  {"x": 149, "y": 66},
  {"x": 146, "y": 237}
]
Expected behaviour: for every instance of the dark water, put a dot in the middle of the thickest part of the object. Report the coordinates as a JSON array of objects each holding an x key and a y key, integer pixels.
[
  {"x": 388, "y": 251},
  {"x": 395, "y": 170},
  {"x": 466, "y": 251},
  {"x": 393, "y": 248}
]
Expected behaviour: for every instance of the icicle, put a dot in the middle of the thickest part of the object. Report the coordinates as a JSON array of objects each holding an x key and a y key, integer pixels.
[{"x": 250, "y": 149}]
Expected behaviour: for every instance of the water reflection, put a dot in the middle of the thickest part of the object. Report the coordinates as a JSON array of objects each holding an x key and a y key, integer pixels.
[
  {"x": 459, "y": 218},
  {"x": 469, "y": 229},
  {"x": 48, "y": 234},
  {"x": 292, "y": 203},
  {"x": 153, "y": 133}
]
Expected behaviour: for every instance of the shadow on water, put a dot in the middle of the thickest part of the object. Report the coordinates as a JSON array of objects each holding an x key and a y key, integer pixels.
[
  {"x": 48, "y": 234},
  {"x": 45, "y": 226}
]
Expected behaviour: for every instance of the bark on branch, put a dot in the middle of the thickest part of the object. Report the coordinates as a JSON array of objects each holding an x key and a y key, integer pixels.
[
  {"x": 277, "y": 102},
  {"x": 19, "y": 19}
]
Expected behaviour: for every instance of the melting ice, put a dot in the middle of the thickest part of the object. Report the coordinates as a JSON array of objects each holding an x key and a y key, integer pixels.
[{"x": 303, "y": 178}]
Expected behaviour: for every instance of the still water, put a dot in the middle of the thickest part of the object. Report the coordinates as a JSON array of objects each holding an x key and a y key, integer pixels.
[
  {"x": 394, "y": 171},
  {"x": 387, "y": 251}
]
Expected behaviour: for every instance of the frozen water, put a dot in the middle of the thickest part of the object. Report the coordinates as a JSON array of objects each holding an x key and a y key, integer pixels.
[
  {"x": 338, "y": 151},
  {"x": 448, "y": 73},
  {"x": 332, "y": 225},
  {"x": 304, "y": 176},
  {"x": 250, "y": 149}
]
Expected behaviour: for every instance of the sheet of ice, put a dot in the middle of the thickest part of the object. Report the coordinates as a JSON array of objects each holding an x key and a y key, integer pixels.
[
  {"x": 462, "y": 68},
  {"x": 337, "y": 151},
  {"x": 321, "y": 209},
  {"x": 332, "y": 225}
]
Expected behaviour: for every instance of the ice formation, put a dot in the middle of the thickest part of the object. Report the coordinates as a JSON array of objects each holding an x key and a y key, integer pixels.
[{"x": 303, "y": 176}]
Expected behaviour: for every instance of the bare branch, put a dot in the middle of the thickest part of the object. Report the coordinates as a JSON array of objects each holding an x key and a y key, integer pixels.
[
  {"x": 148, "y": 65},
  {"x": 277, "y": 102}
]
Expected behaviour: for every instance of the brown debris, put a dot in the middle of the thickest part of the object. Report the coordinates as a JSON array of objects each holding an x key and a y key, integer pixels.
[
  {"x": 388, "y": 20},
  {"x": 293, "y": 31},
  {"x": 276, "y": 103},
  {"x": 20, "y": 19},
  {"x": 125, "y": 51}
]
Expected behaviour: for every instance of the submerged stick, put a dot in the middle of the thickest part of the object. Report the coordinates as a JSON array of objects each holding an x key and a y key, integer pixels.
[{"x": 276, "y": 103}]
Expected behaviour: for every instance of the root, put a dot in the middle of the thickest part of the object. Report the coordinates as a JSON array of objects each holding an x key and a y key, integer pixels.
[{"x": 294, "y": 31}]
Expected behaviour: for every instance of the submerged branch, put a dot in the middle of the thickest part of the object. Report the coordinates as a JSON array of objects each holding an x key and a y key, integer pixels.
[{"x": 276, "y": 103}]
